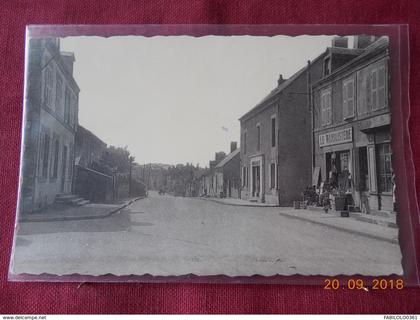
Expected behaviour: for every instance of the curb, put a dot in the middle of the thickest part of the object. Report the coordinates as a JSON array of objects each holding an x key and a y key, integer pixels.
[
  {"x": 360, "y": 233},
  {"x": 238, "y": 204},
  {"x": 74, "y": 218}
]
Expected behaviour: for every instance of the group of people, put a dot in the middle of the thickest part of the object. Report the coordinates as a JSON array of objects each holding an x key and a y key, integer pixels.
[{"x": 336, "y": 185}]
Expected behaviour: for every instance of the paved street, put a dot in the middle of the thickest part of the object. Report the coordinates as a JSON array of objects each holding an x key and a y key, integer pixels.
[{"x": 166, "y": 235}]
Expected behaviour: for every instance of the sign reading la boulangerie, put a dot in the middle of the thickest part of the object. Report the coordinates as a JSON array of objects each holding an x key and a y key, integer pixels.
[{"x": 336, "y": 137}]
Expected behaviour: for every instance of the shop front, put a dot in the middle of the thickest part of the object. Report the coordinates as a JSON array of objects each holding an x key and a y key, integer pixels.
[{"x": 355, "y": 162}]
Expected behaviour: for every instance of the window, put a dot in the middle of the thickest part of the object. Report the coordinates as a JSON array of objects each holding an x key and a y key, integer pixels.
[
  {"x": 327, "y": 66},
  {"x": 54, "y": 173},
  {"x": 48, "y": 93},
  {"x": 326, "y": 112},
  {"x": 374, "y": 89},
  {"x": 67, "y": 106},
  {"x": 377, "y": 88},
  {"x": 45, "y": 155},
  {"x": 348, "y": 98},
  {"x": 71, "y": 161},
  {"x": 245, "y": 142},
  {"x": 244, "y": 180},
  {"x": 382, "y": 95},
  {"x": 59, "y": 95},
  {"x": 258, "y": 137},
  {"x": 273, "y": 131},
  {"x": 72, "y": 111},
  {"x": 273, "y": 176},
  {"x": 384, "y": 167}
]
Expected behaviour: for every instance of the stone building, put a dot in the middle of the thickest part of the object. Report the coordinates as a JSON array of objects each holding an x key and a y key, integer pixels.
[
  {"x": 352, "y": 132},
  {"x": 276, "y": 140},
  {"x": 227, "y": 174},
  {"x": 50, "y": 123}
]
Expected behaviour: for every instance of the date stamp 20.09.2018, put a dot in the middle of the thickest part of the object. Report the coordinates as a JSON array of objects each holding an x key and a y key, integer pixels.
[{"x": 360, "y": 284}]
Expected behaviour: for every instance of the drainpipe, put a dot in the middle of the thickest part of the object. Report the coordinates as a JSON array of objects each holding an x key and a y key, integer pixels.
[
  {"x": 278, "y": 149},
  {"x": 312, "y": 114}
]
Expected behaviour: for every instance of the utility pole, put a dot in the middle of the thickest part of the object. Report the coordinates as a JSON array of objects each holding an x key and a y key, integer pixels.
[{"x": 130, "y": 162}]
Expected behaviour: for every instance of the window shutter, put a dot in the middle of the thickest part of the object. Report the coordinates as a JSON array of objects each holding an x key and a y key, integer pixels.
[
  {"x": 374, "y": 88},
  {"x": 345, "y": 100},
  {"x": 356, "y": 172},
  {"x": 372, "y": 168},
  {"x": 368, "y": 93},
  {"x": 381, "y": 88},
  {"x": 350, "y": 100},
  {"x": 329, "y": 108}
]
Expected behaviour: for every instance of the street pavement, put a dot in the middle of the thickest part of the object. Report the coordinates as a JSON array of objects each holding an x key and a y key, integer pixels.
[{"x": 167, "y": 235}]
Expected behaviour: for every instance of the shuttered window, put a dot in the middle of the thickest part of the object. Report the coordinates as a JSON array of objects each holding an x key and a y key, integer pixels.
[
  {"x": 45, "y": 155},
  {"x": 381, "y": 87},
  {"x": 378, "y": 88},
  {"x": 258, "y": 137},
  {"x": 273, "y": 131},
  {"x": 348, "y": 98},
  {"x": 326, "y": 110},
  {"x": 374, "y": 89},
  {"x": 67, "y": 106},
  {"x": 59, "y": 95},
  {"x": 273, "y": 175},
  {"x": 48, "y": 89}
]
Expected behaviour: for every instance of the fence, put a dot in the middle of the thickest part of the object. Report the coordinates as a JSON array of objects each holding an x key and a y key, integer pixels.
[{"x": 101, "y": 188}]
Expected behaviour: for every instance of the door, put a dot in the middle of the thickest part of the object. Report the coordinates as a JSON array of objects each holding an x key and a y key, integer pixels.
[
  {"x": 64, "y": 169},
  {"x": 255, "y": 181}
]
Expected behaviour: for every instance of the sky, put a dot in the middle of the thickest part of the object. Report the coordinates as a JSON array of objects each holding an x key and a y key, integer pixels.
[{"x": 178, "y": 99}]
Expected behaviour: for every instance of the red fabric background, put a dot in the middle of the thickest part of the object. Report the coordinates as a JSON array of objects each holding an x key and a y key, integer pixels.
[{"x": 39, "y": 298}]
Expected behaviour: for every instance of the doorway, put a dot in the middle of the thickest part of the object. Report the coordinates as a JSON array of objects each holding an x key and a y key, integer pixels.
[
  {"x": 256, "y": 185},
  {"x": 63, "y": 169}
]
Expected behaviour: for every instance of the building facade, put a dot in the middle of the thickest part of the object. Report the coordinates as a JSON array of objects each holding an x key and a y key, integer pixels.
[
  {"x": 276, "y": 140},
  {"x": 51, "y": 119},
  {"x": 227, "y": 174},
  {"x": 352, "y": 132}
]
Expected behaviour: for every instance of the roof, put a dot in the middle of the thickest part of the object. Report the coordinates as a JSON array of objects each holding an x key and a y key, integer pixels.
[
  {"x": 82, "y": 132},
  {"x": 377, "y": 46},
  {"x": 229, "y": 157},
  {"x": 275, "y": 91},
  {"x": 349, "y": 51},
  {"x": 289, "y": 81}
]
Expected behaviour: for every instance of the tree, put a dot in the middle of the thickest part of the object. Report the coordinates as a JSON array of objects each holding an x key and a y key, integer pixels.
[{"x": 117, "y": 158}]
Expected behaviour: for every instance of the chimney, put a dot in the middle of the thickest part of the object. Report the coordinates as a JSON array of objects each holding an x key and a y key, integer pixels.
[
  {"x": 212, "y": 164},
  {"x": 363, "y": 41},
  {"x": 68, "y": 60},
  {"x": 219, "y": 156},
  {"x": 280, "y": 80},
  {"x": 340, "y": 42},
  {"x": 233, "y": 146}
]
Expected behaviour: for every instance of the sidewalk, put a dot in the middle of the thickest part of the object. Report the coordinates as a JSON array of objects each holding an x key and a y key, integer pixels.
[
  {"x": 238, "y": 202},
  {"x": 350, "y": 225},
  {"x": 353, "y": 224},
  {"x": 68, "y": 213}
]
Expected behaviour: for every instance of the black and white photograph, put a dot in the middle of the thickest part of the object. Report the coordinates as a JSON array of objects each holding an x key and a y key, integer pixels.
[{"x": 211, "y": 155}]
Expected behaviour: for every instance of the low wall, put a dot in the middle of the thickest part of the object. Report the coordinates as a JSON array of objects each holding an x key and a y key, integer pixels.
[{"x": 93, "y": 185}]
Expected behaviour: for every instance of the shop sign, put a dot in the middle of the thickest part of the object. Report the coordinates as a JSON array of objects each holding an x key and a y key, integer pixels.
[{"x": 336, "y": 137}]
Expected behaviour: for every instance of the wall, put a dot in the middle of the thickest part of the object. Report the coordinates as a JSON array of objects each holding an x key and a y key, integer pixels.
[
  {"x": 93, "y": 185},
  {"x": 294, "y": 164}
]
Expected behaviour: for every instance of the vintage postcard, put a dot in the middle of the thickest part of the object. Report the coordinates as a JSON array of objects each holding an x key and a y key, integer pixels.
[{"x": 211, "y": 155}]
